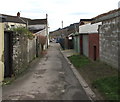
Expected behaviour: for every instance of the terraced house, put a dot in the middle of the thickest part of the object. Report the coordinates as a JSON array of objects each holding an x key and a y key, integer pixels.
[{"x": 19, "y": 50}]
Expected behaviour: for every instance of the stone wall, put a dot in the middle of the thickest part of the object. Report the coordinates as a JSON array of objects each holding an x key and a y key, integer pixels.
[
  {"x": 31, "y": 47},
  {"x": 24, "y": 51},
  {"x": 109, "y": 38}
]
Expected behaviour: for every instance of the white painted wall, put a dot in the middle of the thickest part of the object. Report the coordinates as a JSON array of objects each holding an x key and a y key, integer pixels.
[
  {"x": 42, "y": 32},
  {"x": 1, "y": 51},
  {"x": 89, "y": 28},
  {"x": 85, "y": 45},
  {"x": 38, "y": 26},
  {"x": 9, "y": 24}
]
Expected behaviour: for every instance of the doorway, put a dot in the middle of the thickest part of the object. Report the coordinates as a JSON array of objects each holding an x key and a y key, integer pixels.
[
  {"x": 8, "y": 53},
  {"x": 95, "y": 56}
]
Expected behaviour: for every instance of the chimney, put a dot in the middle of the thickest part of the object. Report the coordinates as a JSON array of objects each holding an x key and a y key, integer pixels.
[
  {"x": 46, "y": 16},
  {"x": 18, "y": 14}
]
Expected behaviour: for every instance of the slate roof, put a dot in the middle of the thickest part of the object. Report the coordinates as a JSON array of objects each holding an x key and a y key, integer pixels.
[
  {"x": 86, "y": 20},
  {"x": 110, "y": 12},
  {"x": 73, "y": 28},
  {"x": 38, "y": 21},
  {"x": 106, "y": 16},
  {"x": 14, "y": 19},
  {"x": 2, "y": 19},
  {"x": 23, "y": 20}
]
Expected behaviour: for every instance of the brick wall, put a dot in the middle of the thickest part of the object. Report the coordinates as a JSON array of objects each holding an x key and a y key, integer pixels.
[
  {"x": 93, "y": 42},
  {"x": 109, "y": 37}
]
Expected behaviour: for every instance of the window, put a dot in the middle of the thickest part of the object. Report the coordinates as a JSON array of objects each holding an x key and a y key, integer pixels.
[{"x": 12, "y": 26}]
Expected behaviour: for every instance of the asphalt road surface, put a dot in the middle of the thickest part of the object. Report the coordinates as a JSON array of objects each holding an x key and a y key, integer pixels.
[{"x": 51, "y": 78}]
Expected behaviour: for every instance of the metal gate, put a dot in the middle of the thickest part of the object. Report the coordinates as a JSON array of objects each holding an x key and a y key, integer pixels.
[{"x": 8, "y": 52}]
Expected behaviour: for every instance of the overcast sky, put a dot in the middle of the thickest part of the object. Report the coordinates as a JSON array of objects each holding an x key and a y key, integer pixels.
[{"x": 70, "y": 11}]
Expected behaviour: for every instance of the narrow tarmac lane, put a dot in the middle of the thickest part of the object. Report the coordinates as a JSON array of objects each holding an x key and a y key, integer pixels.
[{"x": 50, "y": 79}]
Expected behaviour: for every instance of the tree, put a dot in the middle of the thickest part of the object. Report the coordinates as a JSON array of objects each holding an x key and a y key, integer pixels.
[{"x": 42, "y": 40}]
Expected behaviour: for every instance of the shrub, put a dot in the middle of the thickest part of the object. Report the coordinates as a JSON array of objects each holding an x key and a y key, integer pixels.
[{"x": 23, "y": 31}]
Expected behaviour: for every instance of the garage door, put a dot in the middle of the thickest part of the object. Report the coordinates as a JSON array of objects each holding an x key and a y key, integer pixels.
[{"x": 85, "y": 45}]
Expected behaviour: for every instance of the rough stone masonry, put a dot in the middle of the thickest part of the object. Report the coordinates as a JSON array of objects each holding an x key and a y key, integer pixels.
[{"x": 110, "y": 41}]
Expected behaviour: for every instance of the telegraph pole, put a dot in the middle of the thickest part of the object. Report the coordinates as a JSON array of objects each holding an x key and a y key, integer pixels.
[
  {"x": 62, "y": 24},
  {"x": 62, "y": 29}
]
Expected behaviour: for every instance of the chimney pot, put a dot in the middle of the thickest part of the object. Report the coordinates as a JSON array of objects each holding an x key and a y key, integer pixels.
[
  {"x": 18, "y": 14},
  {"x": 46, "y": 16}
]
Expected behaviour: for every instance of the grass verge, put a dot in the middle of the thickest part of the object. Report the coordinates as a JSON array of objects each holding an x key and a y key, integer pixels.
[
  {"x": 78, "y": 60},
  {"x": 102, "y": 78},
  {"x": 108, "y": 87}
]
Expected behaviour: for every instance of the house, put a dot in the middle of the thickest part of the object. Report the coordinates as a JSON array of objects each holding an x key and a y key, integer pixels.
[
  {"x": 40, "y": 27},
  {"x": 89, "y": 40},
  {"x": 73, "y": 39},
  {"x": 14, "y": 21},
  {"x": 19, "y": 51},
  {"x": 1, "y": 48},
  {"x": 59, "y": 36},
  {"x": 58, "y": 33},
  {"x": 109, "y": 35}
]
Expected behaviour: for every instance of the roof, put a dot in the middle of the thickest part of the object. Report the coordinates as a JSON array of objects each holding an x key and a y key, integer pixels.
[
  {"x": 73, "y": 28},
  {"x": 86, "y": 20},
  {"x": 23, "y": 20},
  {"x": 2, "y": 19},
  {"x": 38, "y": 21},
  {"x": 108, "y": 15},
  {"x": 15, "y": 19}
]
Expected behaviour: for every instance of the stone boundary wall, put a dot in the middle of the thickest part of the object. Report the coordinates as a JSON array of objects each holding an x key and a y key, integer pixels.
[
  {"x": 24, "y": 51},
  {"x": 110, "y": 41}
]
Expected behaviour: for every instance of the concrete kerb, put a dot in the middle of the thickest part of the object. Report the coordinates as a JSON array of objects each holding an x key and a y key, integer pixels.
[{"x": 85, "y": 86}]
